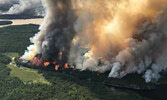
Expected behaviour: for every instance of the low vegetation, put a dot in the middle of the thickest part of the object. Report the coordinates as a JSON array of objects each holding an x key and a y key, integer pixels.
[
  {"x": 18, "y": 16},
  {"x": 5, "y": 22},
  {"x": 24, "y": 74},
  {"x": 16, "y": 38}
]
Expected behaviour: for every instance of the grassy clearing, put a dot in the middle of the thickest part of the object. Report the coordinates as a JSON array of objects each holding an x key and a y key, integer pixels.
[
  {"x": 25, "y": 74},
  {"x": 11, "y": 55}
]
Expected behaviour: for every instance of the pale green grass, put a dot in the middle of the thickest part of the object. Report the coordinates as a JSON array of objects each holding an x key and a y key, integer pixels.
[
  {"x": 27, "y": 75},
  {"x": 12, "y": 54}
]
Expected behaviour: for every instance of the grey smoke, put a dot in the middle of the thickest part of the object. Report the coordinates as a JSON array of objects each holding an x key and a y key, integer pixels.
[
  {"x": 150, "y": 51},
  {"x": 71, "y": 25},
  {"x": 22, "y": 7},
  {"x": 56, "y": 35}
]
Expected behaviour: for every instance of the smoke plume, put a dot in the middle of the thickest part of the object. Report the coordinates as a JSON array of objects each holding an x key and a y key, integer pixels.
[
  {"x": 21, "y": 7},
  {"x": 121, "y": 36}
]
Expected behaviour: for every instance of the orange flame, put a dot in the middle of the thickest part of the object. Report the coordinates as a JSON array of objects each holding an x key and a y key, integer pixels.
[
  {"x": 36, "y": 62},
  {"x": 56, "y": 67},
  {"x": 73, "y": 68},
  {"x": 54, "y": 62},
  {"x": 46, "y": 64},
  {"x": 123, "y": 72},
  {"x": 66, "y": 65}
]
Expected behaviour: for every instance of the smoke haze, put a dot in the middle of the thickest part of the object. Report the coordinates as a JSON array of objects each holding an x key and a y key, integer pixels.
[
  {"x": 121, "y": 36},
  {"x": 33, "y": 7}
]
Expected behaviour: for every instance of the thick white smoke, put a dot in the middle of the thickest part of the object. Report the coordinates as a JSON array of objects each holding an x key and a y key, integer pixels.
[
  {"x": 7, "y": 1},
  {"x": 105, "y": 35},
  {"x": 21, "y": 6},
  {"x": 147, "y": 55}
]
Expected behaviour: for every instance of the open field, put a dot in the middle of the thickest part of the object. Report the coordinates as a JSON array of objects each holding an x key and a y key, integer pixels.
[{"x": 24, "y": 74}]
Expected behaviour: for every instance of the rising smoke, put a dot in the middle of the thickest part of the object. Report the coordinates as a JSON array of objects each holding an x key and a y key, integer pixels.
[
  {"x": 124, "y": 36},
  {"x": 21, "y": 7}
]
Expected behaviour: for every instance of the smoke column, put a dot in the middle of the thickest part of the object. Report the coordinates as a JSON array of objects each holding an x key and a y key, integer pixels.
[
  {"x": 121, "y": 36},
  {"x": 54, "y": 40}
]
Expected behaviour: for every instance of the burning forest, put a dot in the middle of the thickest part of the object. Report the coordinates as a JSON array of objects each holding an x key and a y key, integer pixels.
[{"x": 120, "y": 36}]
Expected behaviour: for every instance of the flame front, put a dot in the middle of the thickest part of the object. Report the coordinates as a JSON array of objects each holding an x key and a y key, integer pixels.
[
  {"x": 46, "y": 64},
  {"x": 57, "y": 67},
  {"x": 66, "y": 66},
  {"x": 36, "y": 62}
]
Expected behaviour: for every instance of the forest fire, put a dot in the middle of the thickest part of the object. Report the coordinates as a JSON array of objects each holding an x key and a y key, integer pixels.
[
  {"x": 66, "y": 66},
  {"x": 122, "y": 36},
  {"x": 37, "y": 63},
  {"x": 57, "y": 67},
  {"x": 46, "y": 64}
]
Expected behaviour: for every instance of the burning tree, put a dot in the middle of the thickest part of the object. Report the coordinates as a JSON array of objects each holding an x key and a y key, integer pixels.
[{"x": 125, "y": 38}]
